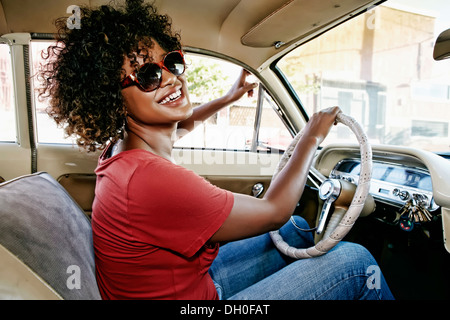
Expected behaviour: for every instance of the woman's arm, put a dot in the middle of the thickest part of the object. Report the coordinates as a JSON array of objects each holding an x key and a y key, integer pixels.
[
  {"x": 251, "y": 216},
  {"x": 203, "y": 112}
]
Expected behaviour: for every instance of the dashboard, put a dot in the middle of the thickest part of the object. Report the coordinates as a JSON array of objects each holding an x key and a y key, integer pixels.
[
  {"x": 399, "y": 174},
  {"x": 391, "y": 183}
]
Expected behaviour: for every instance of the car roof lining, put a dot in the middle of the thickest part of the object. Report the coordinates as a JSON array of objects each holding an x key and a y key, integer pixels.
[
  {"x": 243, "y": 29},
  {"x": 281, "y": 27}
]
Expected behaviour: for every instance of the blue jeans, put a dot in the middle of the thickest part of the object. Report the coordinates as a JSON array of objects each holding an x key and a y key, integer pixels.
[{"x": 253, "y": 269}]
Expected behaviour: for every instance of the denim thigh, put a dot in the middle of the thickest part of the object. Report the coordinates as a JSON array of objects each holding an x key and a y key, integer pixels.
[
  {"x": 254, "y": 269},
  {"x": 243, "y": 263}
]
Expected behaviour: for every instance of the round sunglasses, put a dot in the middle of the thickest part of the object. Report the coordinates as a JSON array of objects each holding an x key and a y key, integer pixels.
[{"x": 148, "y": 77}]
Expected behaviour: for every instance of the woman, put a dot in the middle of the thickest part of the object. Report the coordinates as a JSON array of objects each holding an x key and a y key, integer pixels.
[{"x": 119, "y": 84}]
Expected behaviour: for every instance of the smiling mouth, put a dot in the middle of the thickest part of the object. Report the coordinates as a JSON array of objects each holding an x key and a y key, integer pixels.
[{"x": 171, "y": 98}]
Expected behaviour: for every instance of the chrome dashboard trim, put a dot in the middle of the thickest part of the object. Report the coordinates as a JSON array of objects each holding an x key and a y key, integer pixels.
[{"x": 388, "y": 192}]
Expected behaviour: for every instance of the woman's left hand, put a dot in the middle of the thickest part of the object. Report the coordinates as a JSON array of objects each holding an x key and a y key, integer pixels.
[{"x": 241, "y": 87}]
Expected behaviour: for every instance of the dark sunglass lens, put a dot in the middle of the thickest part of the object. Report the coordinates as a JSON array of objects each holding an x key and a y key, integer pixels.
[
  {"x": 175, "y": 63},
  {"x": 149, "y": 76}
]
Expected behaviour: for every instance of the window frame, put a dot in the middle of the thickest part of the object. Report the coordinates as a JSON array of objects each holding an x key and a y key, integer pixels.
[
  {"x": 20, "y": 58},
  {"x": 15, "y": 140},
  {"x": 19, "y": 157}
]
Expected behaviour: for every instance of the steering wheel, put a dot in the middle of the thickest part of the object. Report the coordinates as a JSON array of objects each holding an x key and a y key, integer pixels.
[{"x": 342, "y": 220}]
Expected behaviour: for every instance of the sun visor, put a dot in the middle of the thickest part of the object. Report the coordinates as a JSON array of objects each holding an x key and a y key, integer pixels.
[
  {"x": 442, "y": 46},
  {"x": 281, "y": 26}
]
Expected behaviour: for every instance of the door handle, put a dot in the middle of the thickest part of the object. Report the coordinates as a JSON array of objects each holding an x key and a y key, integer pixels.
[{"x": 257, "y": 189}]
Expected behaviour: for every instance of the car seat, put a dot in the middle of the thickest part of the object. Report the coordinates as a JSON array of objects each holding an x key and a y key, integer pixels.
[{"x": 46, "y": 248}]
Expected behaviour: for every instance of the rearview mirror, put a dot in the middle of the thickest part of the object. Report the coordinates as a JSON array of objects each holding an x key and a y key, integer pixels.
[{"x": 442, "y": 46}]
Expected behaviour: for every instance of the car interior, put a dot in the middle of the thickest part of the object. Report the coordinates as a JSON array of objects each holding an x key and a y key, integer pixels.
[{"x": 383, "y": 62}]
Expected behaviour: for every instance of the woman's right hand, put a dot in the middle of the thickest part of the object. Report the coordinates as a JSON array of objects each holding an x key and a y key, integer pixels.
[{"x": 320, "y": 123}]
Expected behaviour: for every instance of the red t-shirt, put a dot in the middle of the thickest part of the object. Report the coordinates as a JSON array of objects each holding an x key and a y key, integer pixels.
[{"x": 151, "y": 222}]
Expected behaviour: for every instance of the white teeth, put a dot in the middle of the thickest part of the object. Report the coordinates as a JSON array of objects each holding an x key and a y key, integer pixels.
[{"x": 171, "y": 97}]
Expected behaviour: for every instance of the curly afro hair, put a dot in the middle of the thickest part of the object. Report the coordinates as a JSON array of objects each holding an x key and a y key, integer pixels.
[{"x": 82, "y": 72}]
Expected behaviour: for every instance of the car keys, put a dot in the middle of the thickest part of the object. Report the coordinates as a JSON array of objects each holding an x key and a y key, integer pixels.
[
  {"x": 425, "y": 213},
  {"x": 406, "y": 221},
  {"x": 413, "y": 212}
]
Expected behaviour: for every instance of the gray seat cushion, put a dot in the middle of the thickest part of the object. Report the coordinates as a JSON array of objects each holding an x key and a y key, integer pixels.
[{"x": 43, "y": 227}]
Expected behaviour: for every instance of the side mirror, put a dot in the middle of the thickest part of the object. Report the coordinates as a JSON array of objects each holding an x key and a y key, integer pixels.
[{"x": 442, "y": 46}]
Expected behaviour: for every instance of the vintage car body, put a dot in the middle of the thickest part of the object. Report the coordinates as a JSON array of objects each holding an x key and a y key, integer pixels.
[{"x": 259, "y": 36}]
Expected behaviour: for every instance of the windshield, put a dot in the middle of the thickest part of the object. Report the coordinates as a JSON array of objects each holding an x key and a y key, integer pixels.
[{"x": 379, "y": 69}]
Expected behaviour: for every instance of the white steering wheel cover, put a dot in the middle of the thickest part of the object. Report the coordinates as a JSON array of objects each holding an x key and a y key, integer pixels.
[{"x": 353, "y": 212}]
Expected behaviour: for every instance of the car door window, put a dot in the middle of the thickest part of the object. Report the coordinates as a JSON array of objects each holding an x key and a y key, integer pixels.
[
  {"x": 231, "y": 128},
  {"x": 239, "y": 126},
  {"x": 47, "y": 130},
  {"x": 7, "y": 109}
]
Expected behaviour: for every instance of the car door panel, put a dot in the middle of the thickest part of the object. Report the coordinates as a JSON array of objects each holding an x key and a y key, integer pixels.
[
  {"x": 73, "y": 168},
  {"x": 14, "y": 161},
  {"x": 236, "y": 171},
  {"x": 240, "y": 184},
  {"x": 60, "y": 159},
  {"x": 78, "y": 179},
  {"x": 81, "y": 187}
]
